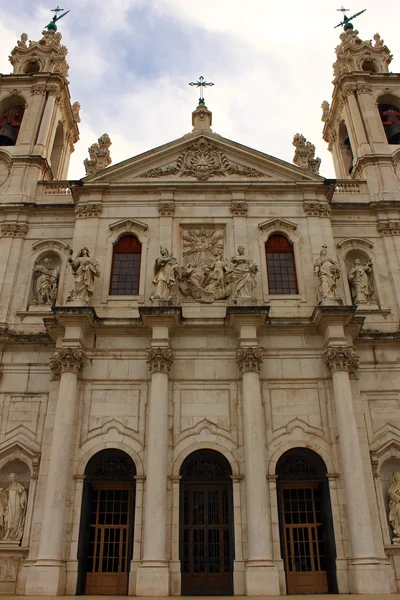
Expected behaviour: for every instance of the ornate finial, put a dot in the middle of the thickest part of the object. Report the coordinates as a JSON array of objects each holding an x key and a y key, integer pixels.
[
  {"x": 99, "y": 155},
  {"x": 304, "y": 155},
  {"x": 201, "y": 83},
  {"x": 52, "y": 25},
  {"x": 346, "y": 20}
]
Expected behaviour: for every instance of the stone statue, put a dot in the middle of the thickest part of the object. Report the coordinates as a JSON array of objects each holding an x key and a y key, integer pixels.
[
  {"x": 244, "y": 271},
  {"x": 164, "y": 280},
  {"x": 12, "y": 510},
  {"x": 328, "y": 272},
  {"x": 394, "y": 506},
  {"x": 84, "y": 269},
  {"x": 360, "y": 278},
  {"x": 44, "y": 283},
  {"x": 325, "y": 111}
]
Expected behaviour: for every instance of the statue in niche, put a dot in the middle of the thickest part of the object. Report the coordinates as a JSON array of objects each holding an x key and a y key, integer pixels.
[
  {"x": 360, "y": 278},
  {"x": 84, "y": 269},
  {"x": 394, "y": 506},
  {"x": 12, "y": 510},
  {"x": 244, "y": 271},
  {"x": 165, "y": 272},
  {"x": 44, "y": 283},
  {"x": 328, "y": 272}
]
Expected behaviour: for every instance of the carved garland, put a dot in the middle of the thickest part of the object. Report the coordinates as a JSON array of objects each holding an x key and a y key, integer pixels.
[
  {"x": 67, "y": 360},
  {"x": 160, "y": 360},
  {"x": 249, "y": 359},
  {"x": 341, "y": 358}
]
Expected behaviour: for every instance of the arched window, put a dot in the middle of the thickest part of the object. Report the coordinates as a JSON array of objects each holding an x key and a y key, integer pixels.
[
  {"x": 281, "y": 269},
  {"x": 126, "y": 267}
]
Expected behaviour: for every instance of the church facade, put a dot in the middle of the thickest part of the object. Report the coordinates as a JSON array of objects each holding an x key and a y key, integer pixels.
[{"x": 199, "y": 376}]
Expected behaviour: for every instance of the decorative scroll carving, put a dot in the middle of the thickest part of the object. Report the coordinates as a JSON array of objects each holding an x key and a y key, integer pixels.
[
  {"x": 45, "y": 282},
  {"x": 244, "y": 271},
  {"x": 99, "y": 155},
  {"x": 313, "y": 208},
  {"x": 84, "y": 269},
  {"x": 164, "y": 280},
  {"x": 239, "y": 209},
  {"x": 88, "y": 209},
  {"x": 13, "y": 229},
  {"x": 13, "y": 501},
  {"x": 249, "y": 359},
  {"x": 160, "y": 360},
  {"x": 67, "y": 359},
  {"x": 304, "y": 155},
  {"x": 394, "y": 506},
  {"x": 166, "y": 209},
  {"x": 203, "y": 160},
  {"x": 388, "y": 227},
  {"x": 341, "y": 358},
  {"x": 328, "y": 272},
  {"x": 361, "y": 283}
]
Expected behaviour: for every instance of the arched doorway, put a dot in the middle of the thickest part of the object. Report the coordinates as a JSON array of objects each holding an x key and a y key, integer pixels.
[
  {"x": 206, "y": 525},
  {"x": 305, "y": 520},
  {"x": 107, "y": 519}
]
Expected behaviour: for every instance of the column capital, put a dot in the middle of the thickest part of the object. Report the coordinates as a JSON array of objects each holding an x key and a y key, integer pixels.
[
  {"x": 160, "y": 360},
  {"x": 70, "y": 360},
  {"x": 341, "y": 358},
  {"x": 249, "y": 359}
]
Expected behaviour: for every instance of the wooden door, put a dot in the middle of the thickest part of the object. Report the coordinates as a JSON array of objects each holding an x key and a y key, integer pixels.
[
  {"x": 207, "y": 539},
  {"x": 107, "y": 562},
  {"x": 305, "y": 553}
]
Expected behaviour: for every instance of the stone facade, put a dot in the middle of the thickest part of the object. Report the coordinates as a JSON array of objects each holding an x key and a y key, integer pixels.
[{"x": 209, "y": 355}]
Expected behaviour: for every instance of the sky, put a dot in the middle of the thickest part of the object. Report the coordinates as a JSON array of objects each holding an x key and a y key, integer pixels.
[{"x": 131, "y": 62}]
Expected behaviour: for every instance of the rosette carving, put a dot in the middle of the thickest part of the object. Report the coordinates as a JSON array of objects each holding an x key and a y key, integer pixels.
[
  {"x": 160, "y": 360},
  {"x": 67, "y": 359},
  {"x": 341, "y": 358},
  {"x": 249, "y": 359}
]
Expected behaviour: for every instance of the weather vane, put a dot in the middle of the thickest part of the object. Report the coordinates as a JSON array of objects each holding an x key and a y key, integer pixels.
[
  {"x": 346, "y": 20},
  {"x": 201, "y": 83},
  {"x": 52, "y": 25}
]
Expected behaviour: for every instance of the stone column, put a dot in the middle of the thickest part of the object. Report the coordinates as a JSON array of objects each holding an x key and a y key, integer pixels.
[
  {"x": 366, "y": 574},
  {"x": 47, "y": 576},
  {"x": 42, "y": 139},
  {"x": 261, "y": 574},
  {"x": 153, "y": 573}
]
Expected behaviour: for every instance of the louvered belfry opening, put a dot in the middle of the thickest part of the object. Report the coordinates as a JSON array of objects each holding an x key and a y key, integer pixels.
[
  {"x": 306, "y": 529},
  {"x": 206, "y": 534},
  {"x": 107, "y": 519}
]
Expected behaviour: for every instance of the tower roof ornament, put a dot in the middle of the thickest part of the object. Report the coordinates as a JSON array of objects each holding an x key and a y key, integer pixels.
[
  {"x": 346, "y": 20},
  {"x": 201, "y": 83},
  {"x": 52, "y": 25}
]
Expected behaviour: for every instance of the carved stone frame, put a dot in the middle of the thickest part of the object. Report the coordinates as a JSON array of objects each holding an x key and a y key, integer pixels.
[
  {"x": 117, "y": 230},
  {"x": 288, "y": 229}
]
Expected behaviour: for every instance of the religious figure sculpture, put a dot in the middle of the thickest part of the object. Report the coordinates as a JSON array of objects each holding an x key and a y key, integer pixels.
[
  {"x": 394, "y": 506},
  {"x": 44, "y": 283},
  {"x": 12, "y": 510},
  {"x": 328, "y": 272},
  {"x": 84, "y": 269},
  {"x": 360, "y": 277},
  {"x": 165, "y": 272},
  {"x": 244, "y": 271}
]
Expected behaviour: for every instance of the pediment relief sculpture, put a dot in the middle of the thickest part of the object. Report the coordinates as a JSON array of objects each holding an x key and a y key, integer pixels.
[
  {"x": 203, "y": 160},
  {"x": 13, "y": 501}
]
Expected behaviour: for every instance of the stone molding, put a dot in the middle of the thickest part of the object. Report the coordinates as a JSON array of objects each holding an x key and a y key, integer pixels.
[
  {"x": 388, "y": 227},
  {"x": 166, "y": 209},
  {"x": 239, "y": 209},
  {"x": 249, "y": 359},
  {"x": 88, "y": 209},
  {"x": 341, "y": 358},
  {"x": 70, "y": 360},
  {"x": 13, "y": 229},
  {"x": 314, "y": 208},
  {"x": 160, "y": 360}
]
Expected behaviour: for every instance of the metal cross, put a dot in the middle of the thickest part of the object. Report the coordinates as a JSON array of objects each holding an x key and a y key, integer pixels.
[
  {"x": 346, "y": 20},
  {"x": 58, "y": 10},
  {"x": 201, "y": 83}
]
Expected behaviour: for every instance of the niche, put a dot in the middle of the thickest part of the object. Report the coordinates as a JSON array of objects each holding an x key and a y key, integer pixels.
[
  {"x": 360, "y": 275},
  {"x": 45, "y": 278},
  {"x": 15, "y": 480}
]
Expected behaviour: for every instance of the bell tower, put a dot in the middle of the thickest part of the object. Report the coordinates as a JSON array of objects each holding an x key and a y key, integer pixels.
[
  {"x": 362, "y": 124},
  {"x": 38, "y": 124}
]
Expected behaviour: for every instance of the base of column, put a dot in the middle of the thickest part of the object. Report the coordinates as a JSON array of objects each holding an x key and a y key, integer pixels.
[
  {"x": 371, "y": 576},
  {"x": 152, "y": 579},
  {"x": 46, "y": 578},
  {"x": 261, "y": 578}
]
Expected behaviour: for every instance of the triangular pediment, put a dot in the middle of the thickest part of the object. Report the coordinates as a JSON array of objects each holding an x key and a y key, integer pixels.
[{"x": 202, "y": 157}]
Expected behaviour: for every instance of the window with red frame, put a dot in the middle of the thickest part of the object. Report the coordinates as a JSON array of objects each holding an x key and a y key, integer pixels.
[
  {"x": 125, "y": 270},
  {"x": 281, "y": 269}
]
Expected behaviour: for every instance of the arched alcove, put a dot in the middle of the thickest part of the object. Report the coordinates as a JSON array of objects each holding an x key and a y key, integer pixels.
[
  {"x": 107, "y": 524},
  {"x": 11, "y": 113},
  {"x": 57, "y": 151},
  {"x": 360, "y": 275},
  {"x": 389, "y": 111},
  {"x": 305, "y": 522}
]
